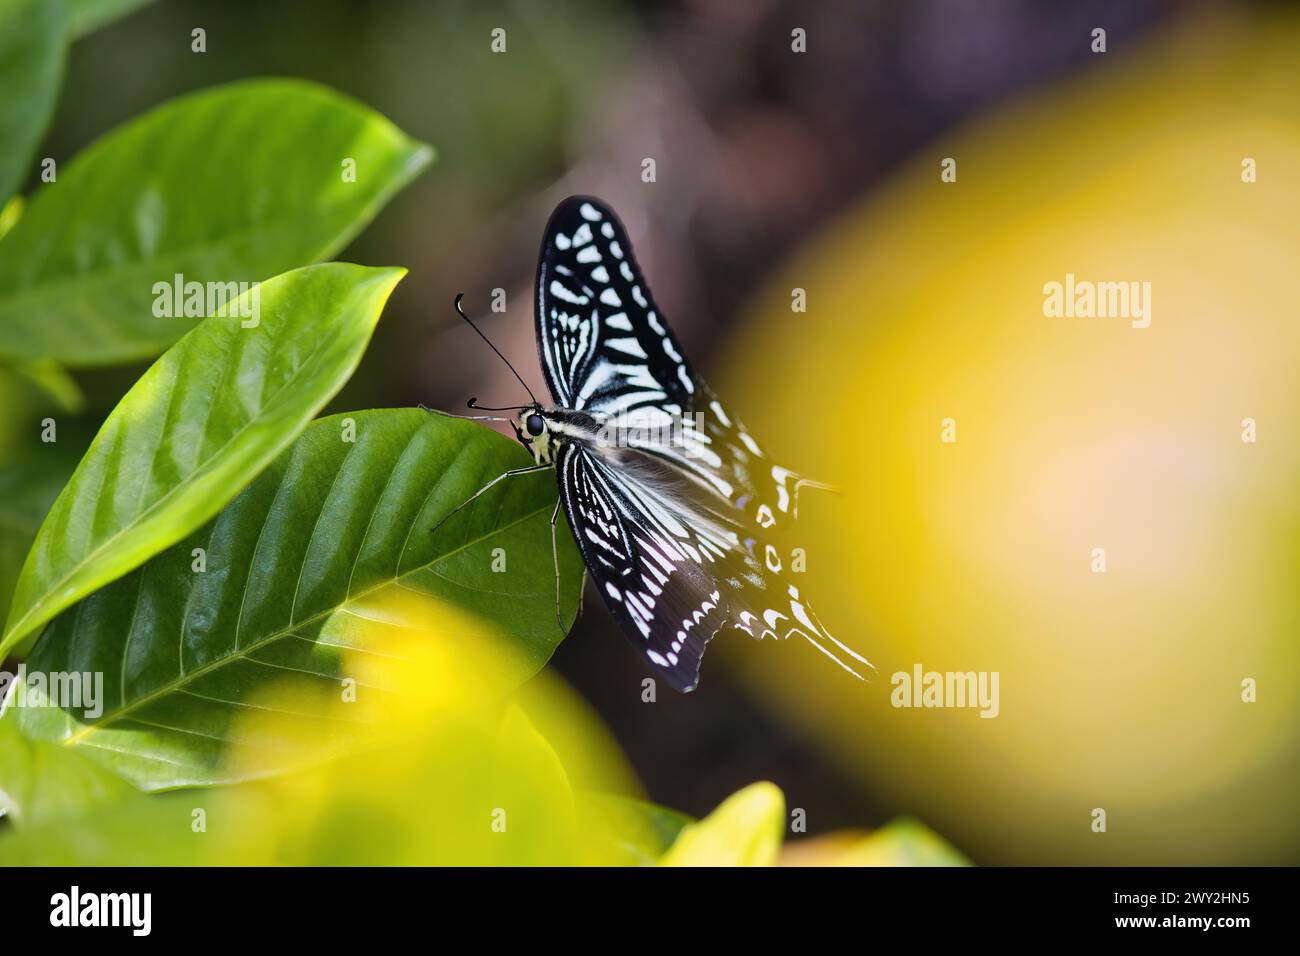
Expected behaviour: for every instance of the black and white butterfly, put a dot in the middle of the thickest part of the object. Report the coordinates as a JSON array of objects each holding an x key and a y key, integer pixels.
[{"x": 676, "y": 509}]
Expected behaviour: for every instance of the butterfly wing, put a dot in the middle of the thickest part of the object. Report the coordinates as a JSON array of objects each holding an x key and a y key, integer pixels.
[
  {"x": 604, "y": 348},
  {"x": 652, "y": 571},
  {"x": 607, "y": 350},
  {"x": 677, "y": 530},
  {"x": 672, "y": 567}
]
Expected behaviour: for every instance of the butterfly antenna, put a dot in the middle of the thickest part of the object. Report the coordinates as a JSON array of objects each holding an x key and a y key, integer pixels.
[
  {"x": 461, "y": 295},
  {"x": 473, "y": 403}
]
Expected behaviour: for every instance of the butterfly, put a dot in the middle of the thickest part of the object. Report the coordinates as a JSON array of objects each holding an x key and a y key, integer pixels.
[{"x": 675, "y": 508}]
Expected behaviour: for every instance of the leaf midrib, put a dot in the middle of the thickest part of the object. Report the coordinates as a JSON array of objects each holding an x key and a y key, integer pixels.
[{"x": 177, "y": 683}]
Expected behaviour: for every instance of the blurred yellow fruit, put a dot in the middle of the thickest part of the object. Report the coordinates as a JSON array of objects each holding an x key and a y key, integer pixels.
[{"x": 1120, "y": 691}]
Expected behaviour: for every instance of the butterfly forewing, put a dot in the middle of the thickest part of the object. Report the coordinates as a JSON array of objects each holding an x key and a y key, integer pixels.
[{"x": 605, "y": 349}]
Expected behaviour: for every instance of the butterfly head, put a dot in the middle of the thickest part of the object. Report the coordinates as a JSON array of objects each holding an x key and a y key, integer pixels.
[{"x": 534, "y": 433}]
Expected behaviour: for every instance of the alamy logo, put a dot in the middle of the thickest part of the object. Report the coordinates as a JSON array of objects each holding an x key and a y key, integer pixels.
[
  {"x": 103, "y": 909},
  {"x": 71, "y": 690},
  {"x": 1084, "y": 299},
  {"x": 922, "y": 688},
  {"x": 199, "y": 300}
]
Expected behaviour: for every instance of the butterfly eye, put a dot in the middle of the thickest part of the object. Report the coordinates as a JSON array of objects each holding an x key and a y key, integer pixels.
[{"x": 534, "y": 425}]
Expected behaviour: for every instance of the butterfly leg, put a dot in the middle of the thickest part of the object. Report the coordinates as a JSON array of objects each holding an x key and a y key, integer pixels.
[
  {"x": 555, "y": 558},
  {"x": 582, "y": 592},
  {"x": 499, "y": 478}
]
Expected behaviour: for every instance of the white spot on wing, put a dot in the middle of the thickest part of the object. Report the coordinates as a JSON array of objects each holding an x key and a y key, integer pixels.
[
  {"x": 628, "y": 346},
  {"x": 561, "y": 291}
]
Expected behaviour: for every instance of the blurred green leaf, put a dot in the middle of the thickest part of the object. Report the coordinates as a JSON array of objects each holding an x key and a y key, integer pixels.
[
  {"x": 469, "y": 785},
  {"x": 10, "y": 213},
  {"x": 30, "y": 481},
  {"x": 901, "y": 842},
  {"x": 31, "y": 69},
  {"x": 41, "y": 781},
  {"x": 150, "y": 830},
  {"x": 195, "y": 429},
  {"x": 299, "y": 566},
  {"x": 231, "y": 184},
  {"x": 745, "y": 830},
  {"x": 640, "y": 832},
  {"x": 55, "y": 382},
  {"x": 86, "y": 16}
]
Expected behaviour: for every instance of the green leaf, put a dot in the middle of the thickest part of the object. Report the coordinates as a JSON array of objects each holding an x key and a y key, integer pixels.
[
  {"x": 901, "y": 842},
  {"x": 231, "y": 184},
  {"x": 301, "y": 565},
  {"x": 639, "y": 833},
  {"x": 198, "y": 425},
  {"x": 42, "y": 782},
  {"x": 31, "y": 69},
  {"x": 150, "y": 830},
  {"x": 745, "y": 830},
  {"x": 10, "y": 213},
  {"x": 30, "y": 481},
  {"x": 86, "y": 16},
  {"x": 54, "y": 381}
]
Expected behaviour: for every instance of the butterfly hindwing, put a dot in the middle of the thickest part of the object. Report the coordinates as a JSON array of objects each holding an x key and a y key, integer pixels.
[{"x": 653, "y": 569}]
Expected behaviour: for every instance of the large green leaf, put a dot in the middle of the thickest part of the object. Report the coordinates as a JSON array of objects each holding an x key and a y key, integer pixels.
[
  {"x": 198, "y": 425},
  {"x": 232, "y": 184},
  {"x": 298, "y": 567},
  {"x": 31, "y": 69}
]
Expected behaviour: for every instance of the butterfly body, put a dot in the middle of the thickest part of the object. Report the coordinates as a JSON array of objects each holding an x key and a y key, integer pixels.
[
  {"x": 543, "y": 430},
  {"x": 677, "y": 511}
]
